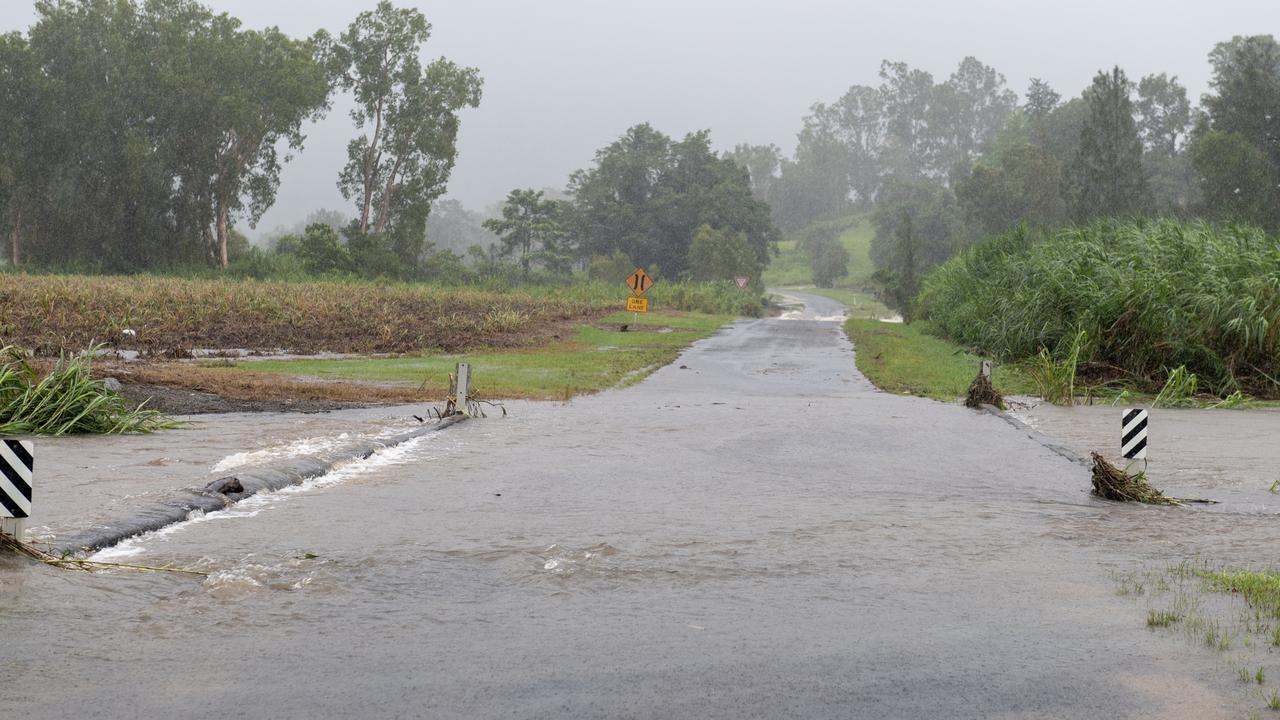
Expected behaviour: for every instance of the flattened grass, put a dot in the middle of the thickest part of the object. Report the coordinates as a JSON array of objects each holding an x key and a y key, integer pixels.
[{"x": 65, "y": 401}]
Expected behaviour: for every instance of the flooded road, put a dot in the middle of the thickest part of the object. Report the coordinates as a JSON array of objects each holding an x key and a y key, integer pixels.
[{"x": 754, "y": 531}]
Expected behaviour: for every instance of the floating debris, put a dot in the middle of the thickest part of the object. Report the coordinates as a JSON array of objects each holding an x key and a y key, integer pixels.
[
  {"x": 982, "y": 392},
  {"x": 1112, "y": 483}
]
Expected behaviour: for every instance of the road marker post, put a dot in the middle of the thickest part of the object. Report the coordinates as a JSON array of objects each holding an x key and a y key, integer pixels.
[
  {"x": 1133, "y": 437},
  {"x": 985, "y": 369},
  {"x": 459, "y": 400},
  {"x": 17, "y": 469}
]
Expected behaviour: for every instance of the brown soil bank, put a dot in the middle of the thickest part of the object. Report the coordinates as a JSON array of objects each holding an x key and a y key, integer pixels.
[{"x": 171, "y": 316}]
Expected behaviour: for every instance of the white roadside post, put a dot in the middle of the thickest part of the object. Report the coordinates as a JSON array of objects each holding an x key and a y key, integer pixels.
[
  {"x": 985, "y": 369},
  {"x": 17, "y": 467},
  {"x": 462, "y": 388},
  {"x": 1133, "y": 437}
]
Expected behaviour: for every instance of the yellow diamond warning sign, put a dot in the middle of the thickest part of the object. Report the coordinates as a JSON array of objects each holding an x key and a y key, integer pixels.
[
  {"x": 637, "y": 304},
  {"x": 639, "y": 282}
]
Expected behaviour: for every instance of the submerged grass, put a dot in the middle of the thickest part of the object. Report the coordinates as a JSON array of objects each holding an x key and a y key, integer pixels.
[
  {"x": 66, "y": 401},
  {"x": 1260, "y": 589},
  {"x": 1152, "y": 295}
]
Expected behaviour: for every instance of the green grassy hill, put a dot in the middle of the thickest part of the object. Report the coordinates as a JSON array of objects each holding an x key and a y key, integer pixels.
[{"x": 857, "y": 290}]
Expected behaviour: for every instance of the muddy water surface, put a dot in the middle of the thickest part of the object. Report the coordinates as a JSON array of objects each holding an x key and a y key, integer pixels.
[{"x": 757, "y": 533}]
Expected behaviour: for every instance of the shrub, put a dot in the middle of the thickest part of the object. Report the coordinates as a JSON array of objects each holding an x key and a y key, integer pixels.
[{"x": 1151, "y": 295}]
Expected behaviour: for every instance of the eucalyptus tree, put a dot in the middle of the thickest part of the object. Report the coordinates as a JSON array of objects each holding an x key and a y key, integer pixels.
[
  {"x": 1108, "y": 173},
  {"x": 1022, "y": 183},
  {"x": 530, "y": 228},
  {"x": 910, "y": 148},
  {"x": 19, "y": 174},
  {"x": 1237, "y": 180},
  {"x": 1164, "y": 122},
  {"x": 267, "y": 85},
  {"x": 967, "y": 112},
  {"x": 1164, "y": 113},
  {"x": 858, "y": 124},
  {"x": 154, "y": 125},
  {"x": 407, "y": 116},
  {"x": 763, "y": 164},
  {"x": 1242, "y": 131},
  {"x": 1246, "y": 91},
  {"x": 646, "y": 196},
  {"x": 1040, "y": 101}
]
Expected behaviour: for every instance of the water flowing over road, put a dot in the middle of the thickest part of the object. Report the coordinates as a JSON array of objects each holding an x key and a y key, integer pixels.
[{"x": 754, "y": 531}]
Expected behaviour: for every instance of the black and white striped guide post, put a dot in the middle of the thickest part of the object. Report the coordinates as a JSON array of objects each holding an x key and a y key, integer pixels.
[
  {"x": 1133, "y": 435},
  {"x": 17, "y": 466}
]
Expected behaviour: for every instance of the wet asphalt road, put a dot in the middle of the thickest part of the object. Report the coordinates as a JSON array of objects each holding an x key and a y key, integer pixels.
[{"x": 754, "y": 531}]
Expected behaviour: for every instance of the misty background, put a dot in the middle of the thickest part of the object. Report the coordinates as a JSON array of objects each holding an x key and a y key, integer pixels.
[{"x": 563, "y": 78}]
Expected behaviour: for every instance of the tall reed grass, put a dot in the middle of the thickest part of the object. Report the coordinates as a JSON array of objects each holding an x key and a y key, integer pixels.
[{"x": 1152, "y": 296}]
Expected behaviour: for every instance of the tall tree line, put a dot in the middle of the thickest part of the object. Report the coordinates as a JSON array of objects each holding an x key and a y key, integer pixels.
[
  {"x": 964, "y": 158},
  {"x": 674, "y": 206},
  {"x": 137, "y": 133}
]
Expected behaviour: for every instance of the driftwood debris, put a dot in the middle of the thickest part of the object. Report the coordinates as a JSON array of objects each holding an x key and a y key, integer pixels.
[
  {"x": 982, "y": 392},
  {"x": 1112, "y": 483}
]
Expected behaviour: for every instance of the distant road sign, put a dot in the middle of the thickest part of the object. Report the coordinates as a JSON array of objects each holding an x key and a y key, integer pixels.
[
  {"x": 637, "y": 304},
  {"x": 639, "y": 282},
  {"x": 742, "y": 282}
]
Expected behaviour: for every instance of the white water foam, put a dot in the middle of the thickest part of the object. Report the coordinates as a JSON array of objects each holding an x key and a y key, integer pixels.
[
  {"x": 305, "y": 446},
  {"x": 800, "y": 315},
  {"x": 253, "y": 505}
]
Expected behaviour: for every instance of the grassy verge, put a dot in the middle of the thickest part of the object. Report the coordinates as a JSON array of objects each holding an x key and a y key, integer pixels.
[
  {"x": 906, "y": 359},
  {"x": 593, "y": 357}
]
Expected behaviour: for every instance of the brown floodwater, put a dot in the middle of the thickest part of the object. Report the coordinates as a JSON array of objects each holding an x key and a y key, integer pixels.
[{"x": 754, "y": 531}]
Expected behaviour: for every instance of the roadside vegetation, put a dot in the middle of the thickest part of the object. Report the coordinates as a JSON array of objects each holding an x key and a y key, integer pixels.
[
  {"x": 66, "y": 400},
  {"x": 170, "y": 317},
  {"x": 909, "y": 359},
  {"x": 589, "y": 358},
  {"x": 1158, "y": 306}
]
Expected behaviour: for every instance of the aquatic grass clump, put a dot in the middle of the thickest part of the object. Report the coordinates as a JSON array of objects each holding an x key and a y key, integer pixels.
[
  {"x": 1162, "y": 618},
  {"x": 1151, "y": 295},
  {"x": 66, "y": 401}
]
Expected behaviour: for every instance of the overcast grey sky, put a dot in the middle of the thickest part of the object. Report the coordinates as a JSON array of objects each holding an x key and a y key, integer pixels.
[{"x": 564, "y": 77}]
